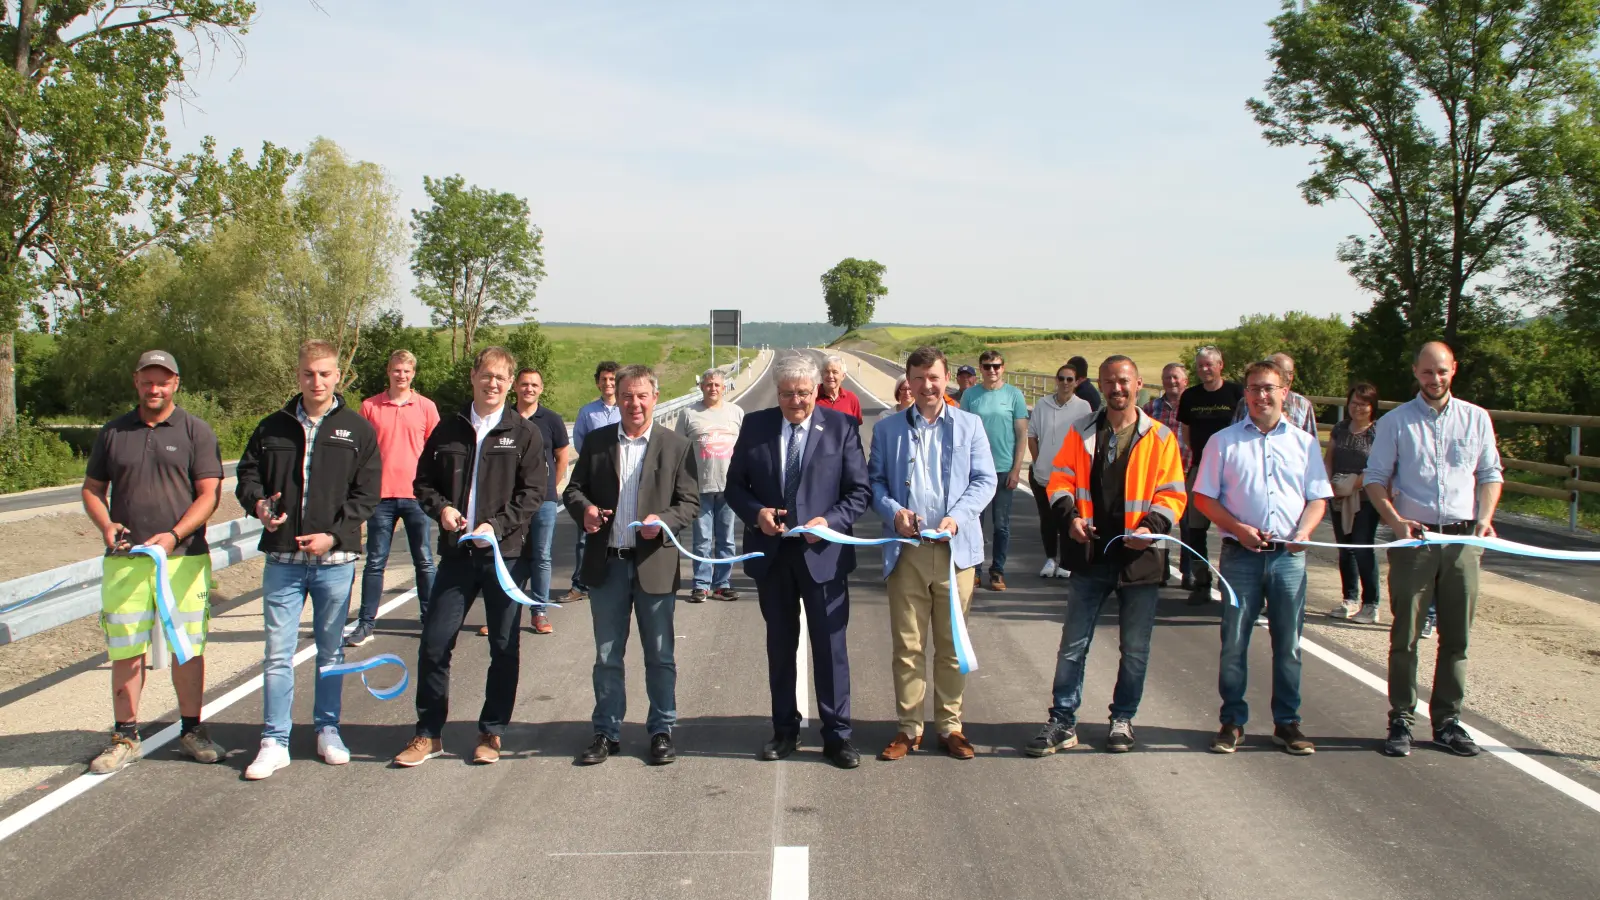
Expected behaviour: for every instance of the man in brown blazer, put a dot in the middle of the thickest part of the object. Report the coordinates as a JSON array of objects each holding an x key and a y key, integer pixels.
[{"x": 629, "y": 473}]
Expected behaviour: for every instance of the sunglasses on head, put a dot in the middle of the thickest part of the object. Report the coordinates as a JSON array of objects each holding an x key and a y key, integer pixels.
[{"x": 993, "y": 367}]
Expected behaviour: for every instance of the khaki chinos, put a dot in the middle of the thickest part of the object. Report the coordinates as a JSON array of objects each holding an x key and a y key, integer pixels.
[
  {"x": 919, "y": 592},
  {"x": 1443, "y": 575}
]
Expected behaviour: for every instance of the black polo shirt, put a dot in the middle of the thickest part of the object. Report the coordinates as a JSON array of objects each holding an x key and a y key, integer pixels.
[
  {"x": 554, "y": 431},
  {"x": 152, "y": 471}
]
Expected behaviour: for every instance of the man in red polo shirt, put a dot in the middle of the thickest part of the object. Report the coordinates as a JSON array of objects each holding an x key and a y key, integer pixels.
[
  {"x": 403, "y": 419},
  {"x": 832, "y": 392}
]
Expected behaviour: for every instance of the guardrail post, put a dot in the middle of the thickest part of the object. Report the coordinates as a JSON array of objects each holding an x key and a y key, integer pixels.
[
  {"x": 1572, "y": 508},
  {"x": 160, "y": 656}
]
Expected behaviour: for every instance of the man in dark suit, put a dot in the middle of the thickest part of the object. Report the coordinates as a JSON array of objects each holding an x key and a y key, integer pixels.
[
  {"x": 628, "y": 473},
  {"x": 801, "y": 463}
]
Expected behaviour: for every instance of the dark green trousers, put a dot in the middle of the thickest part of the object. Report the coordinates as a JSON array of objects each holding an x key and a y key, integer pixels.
[{"x": 1446, "y": 576}]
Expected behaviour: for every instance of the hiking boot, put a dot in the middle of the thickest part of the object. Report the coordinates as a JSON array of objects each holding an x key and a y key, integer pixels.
[
  {"x": 725, "y": 593},
  {"x": 1292, "y": 740},
  {"x": 488, "y": 752},
  {"x": 1368, "y": 615},
  {"x": 1120, "y": 740},
  {"x": 272, "y": 757},
  {"x": 361, "y": 635},
  {"x": 1227, "y": 739},
  {"x": 199, "y": 746},
  {"x": 541, "y": 623},
  {"x": 697, "y": 596},
  {"x": 997, "y": 581},
  {"x": 1454, "y": 737},
  {"x": 420, "y": 750},
  {"x": 1398, "y": 743},
  {"x": 1052, "y": 737},
  {"x": 331, "y": 747},
  {"x": 116, "y": 756},
  {"x": 901, "y": 745},
  {"x": 1346, "y": 609}
]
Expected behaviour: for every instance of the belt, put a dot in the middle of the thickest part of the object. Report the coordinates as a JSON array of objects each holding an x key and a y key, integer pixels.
[
  {"x": 1267, "y": 547},
  {"x": 621, "y": 552},
  {"x": 1449, "y": 527}
]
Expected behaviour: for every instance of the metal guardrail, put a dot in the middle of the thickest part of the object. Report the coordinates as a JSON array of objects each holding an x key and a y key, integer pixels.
[{"x": 73, "y": 591}]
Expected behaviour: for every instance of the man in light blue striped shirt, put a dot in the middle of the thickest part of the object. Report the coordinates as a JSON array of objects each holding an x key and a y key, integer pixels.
[{"x": 1433, "y": 467}]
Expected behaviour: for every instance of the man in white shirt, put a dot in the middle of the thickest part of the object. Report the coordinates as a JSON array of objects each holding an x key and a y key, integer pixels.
[{"x": 1052, "y": 416}]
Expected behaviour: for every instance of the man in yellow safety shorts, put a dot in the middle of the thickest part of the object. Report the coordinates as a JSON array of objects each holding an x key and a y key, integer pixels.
[{"x": 163, "y": 473}]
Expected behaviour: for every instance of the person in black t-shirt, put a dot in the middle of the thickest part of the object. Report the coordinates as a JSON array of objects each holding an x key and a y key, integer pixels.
[
  {"x": 1204, "y": 409},
  {"x": 532, "y": 570},
  {"x": 1085, "y": 386}
]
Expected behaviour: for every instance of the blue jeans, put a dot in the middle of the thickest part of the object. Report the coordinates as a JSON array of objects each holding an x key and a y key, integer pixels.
[
  {"x": 531, "y": 571},
  {"x": 1087, "y": 593},
  {"x": 713, "y": 524},
  {"x": 610, "y": 605},
  {"x": 1276, "y": 580},
  {"x": 997, "y": 516},
  {"x": 284, "y": 588},
  {"x": 380, "y": 532}
]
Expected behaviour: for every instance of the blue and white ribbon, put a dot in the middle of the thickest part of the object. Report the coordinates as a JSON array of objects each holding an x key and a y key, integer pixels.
[
  {"x": 825, "y": 533},
  {"x": 503, "y": 575},
  {"x": 166, "y": 605},
  {"x": 365, "y": 665},
  {"x": 1233, "y": 598},
  {"x": 700, "y": 559}
]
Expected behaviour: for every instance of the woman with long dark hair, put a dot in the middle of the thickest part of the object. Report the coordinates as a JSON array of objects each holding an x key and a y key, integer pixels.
[{"x": 1355, "y": 521}]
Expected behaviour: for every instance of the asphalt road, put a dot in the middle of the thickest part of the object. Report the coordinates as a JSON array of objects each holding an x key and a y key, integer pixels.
[{"x": 1168, "y": 821}]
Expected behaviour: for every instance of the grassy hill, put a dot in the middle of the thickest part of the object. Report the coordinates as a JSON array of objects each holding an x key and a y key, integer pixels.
[
  {"x": 1030, "y": 350},
  {"x": 678, "y": 353}
]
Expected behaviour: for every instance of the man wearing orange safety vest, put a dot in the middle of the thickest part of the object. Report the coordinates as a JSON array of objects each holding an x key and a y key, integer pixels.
[{"x": 1118, "y": 474}]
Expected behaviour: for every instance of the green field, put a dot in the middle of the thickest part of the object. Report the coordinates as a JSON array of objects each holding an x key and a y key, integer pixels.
[
  {"x": 678, "y": 355},
  {"x": 1035, "y": 350}
]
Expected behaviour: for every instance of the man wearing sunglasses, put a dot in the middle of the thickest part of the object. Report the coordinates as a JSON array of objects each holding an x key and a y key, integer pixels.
[{"x": 1004, "y": 412}]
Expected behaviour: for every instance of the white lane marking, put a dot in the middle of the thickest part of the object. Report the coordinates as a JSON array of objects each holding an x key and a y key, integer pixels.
[
  {"x": 1516, "y": 758},
  {"x": 61, "y": 796},
  {"x": 791, "y": 873},
  {"x": 802, "y": 679}
]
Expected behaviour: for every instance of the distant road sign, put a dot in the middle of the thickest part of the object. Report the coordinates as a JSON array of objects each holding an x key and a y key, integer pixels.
[{"x": 725, "y": 330}]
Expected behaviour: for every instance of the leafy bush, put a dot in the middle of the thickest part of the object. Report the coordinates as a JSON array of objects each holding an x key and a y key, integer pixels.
[{"x": 33, "y": 457}]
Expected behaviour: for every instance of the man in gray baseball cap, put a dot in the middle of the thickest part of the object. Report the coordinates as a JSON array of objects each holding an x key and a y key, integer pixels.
[{"x": 160, "y": 358}]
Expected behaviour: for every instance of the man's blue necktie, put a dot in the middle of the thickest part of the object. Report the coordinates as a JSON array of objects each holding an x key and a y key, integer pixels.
[{"x": 791, "y": 475}]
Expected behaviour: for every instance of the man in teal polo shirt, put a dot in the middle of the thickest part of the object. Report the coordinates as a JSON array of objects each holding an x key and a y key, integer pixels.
[{"x": 1004, "y": 412}]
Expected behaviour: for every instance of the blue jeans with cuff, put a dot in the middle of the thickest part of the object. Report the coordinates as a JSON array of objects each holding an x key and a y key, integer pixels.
[
  {"x": 284, "y": 588},
  {"x": 713, "y": 536},
  {"x": 1276, "y": 581}
]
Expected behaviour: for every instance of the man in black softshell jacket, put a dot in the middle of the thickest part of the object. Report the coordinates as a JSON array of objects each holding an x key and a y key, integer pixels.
[
  {"x": 482, "y": 473},
  {"x": 312, "y": 474}
]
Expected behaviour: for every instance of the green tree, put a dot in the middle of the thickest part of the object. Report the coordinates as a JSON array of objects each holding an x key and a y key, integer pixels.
[
  {"x": 478, "y": 258},
  {"x": 87, "y": 175},
  {"x": 1443, "y": 122},
  {"x": 1316, "y": 344},
  {"x": 852, "y": 290},
  {"x": 529, "y": 344}
]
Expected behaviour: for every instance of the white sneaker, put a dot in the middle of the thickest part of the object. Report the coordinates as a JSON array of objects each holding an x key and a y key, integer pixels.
[
  {"x": 1049, "y": 570},
  {"x": 273, "y": 756},
  {"x": 330, "y": 747},
  {"x": 1261, "y": 621},
  {"x": 1367, "y": 615},
  {"x": 1063, "y": 572},
  {"x": 1346, "y": 609}
]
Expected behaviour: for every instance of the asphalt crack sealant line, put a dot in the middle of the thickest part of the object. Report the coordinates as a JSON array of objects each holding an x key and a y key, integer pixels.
[{"x": 86, "y": 782}]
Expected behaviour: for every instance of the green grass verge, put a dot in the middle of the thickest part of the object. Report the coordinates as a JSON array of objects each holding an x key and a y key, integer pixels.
[{"x": 1549, "y": 508}]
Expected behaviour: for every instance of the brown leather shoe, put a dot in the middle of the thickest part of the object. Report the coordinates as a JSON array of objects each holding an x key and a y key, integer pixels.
[
  {"x": 997, "y": 582},
  {"x": 901, "y": 745},
  {"x": 541, "y": 624},
  {"x": 488, "y": 751},
  {"x": 573, "y": 596},
  {"x": 420, "y": 750},
  {"x": 956, "y": 744},
  {"x": 483, "y": 631}
]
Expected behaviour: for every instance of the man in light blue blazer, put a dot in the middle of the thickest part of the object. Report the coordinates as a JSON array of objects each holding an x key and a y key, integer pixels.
[{"x": 930, "y": 468}]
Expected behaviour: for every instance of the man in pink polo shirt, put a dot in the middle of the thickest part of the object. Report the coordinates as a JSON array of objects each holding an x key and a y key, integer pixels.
[{"x": 403, "y": 419}]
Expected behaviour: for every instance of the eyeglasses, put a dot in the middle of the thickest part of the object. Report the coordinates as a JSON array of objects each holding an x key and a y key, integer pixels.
[
  {"x": 794, "y": 395},
  {"x": 1062, "y": 379},
  {"x": 1262, "y": 389},
  {"x": 992, "y": 367}
]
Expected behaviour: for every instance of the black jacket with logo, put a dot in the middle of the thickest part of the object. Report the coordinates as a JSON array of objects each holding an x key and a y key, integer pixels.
[
  {"x": 346, "y": 476},
  {"x": 510, "y": 486}
]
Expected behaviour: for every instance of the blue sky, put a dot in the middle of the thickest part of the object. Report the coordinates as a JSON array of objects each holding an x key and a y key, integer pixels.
[{"x": 1052, "y": 165}]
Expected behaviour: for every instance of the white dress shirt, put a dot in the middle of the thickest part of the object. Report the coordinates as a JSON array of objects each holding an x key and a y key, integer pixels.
[
  {"x": 783, "y": 447},
  {"x": 630, "y": 460},
  {"x": 481, "y": 425}
]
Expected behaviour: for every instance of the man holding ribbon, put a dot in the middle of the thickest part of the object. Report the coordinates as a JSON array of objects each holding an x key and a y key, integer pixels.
[
  {"x": 1437, "y": 459},
  {"x": 1117, "y": 474},
  {"x": 802, "y": 464},
  {"x": 163, "y": 473},
  {"x": 312, "y": 473},
  {"x": 1262, "y": 482},
  {"x": 930, "y": 468},
  {"x": 631, "y": 483},
  {"x": 482, "y": 476}
]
